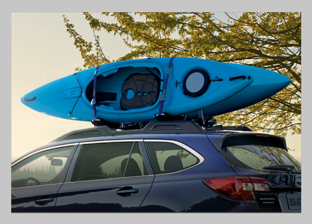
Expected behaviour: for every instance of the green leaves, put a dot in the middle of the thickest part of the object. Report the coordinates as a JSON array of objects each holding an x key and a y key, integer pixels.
[{"x": 266, "y": 40}]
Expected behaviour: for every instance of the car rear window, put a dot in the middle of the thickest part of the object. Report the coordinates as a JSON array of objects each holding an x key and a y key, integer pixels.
[{"x": 257, "y": 152}]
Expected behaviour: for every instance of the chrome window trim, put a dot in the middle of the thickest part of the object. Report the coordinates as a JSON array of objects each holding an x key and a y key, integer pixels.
[
  {"x": 182, "y": 145},
  {"x": 110, "y": 141},
  {"x": 17, "y": 188},
  {"x": 42, "y": 150},
  {"x": 106, "y": 179}
]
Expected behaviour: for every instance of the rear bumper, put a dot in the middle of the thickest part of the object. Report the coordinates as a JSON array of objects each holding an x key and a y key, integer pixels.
[{"x": 290, "y": 202}]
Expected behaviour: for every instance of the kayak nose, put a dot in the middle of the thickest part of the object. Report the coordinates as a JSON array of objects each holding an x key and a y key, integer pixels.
[
  {"x": 275, "y": 81},
  {"x": 57, "y": 98},
  {"x": 39, "y": 99},
  {"x": 33, "y": 101},
  {"x": 28, "y": 100},
  {"x": 274, "y": 78},
  {"x": 284, "y": 79}
]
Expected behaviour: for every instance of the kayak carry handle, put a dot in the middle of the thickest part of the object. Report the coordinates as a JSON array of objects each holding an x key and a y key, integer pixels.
[
  {"x": 238, "y": 77},
  {"x": 27, "y": 100}
]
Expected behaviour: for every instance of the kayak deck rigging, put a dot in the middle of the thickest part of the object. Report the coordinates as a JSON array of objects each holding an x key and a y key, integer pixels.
[{"x": 128, "y": 88}]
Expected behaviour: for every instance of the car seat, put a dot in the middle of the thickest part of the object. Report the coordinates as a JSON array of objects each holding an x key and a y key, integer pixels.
[
  {"x": 132, "y": 168},
  {"x": 89, "y": 169},
  {"x": 173, "y": 164}
]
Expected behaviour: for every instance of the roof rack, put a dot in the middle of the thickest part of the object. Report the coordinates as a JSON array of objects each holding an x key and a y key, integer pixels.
[
  {"x": 165, "y": 127},
  {"x": 158, "y": 127},
  {"x": 236, "y": 128}
]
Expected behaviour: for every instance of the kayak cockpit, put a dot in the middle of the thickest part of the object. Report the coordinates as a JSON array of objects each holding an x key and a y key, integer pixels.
[{"x": 128, "y": 88}]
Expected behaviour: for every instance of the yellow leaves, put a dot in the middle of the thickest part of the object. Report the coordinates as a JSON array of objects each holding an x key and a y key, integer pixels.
[{"x": 268, "y": 40}]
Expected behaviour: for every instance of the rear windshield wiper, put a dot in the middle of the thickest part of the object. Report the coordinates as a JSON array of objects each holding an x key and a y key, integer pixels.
[{"x": 282, "y": 167}]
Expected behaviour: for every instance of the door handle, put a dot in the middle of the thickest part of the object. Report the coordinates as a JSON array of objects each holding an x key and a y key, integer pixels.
[
  {"x": 126, "y": 191},
  {"x": 44, "y": 200}
]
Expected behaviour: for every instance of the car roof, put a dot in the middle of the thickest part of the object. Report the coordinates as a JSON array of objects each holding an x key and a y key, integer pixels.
[
  {"x": 176, "y": 127},
  {"x": 150, "y": 130}
]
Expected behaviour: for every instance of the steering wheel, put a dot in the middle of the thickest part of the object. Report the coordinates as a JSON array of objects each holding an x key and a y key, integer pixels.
[{"x": 33, "y": 179}]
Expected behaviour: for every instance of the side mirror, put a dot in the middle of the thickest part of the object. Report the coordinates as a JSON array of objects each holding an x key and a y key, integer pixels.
[{"x": 57, "y": 162}]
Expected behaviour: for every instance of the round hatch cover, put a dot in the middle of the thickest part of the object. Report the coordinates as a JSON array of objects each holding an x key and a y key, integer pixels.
[{"x": 196, "y": 82}]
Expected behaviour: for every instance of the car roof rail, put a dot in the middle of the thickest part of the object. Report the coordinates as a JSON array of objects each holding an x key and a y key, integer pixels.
[
  {"x": 163, "y": 127},
  {"x": 234, "y": 128}
]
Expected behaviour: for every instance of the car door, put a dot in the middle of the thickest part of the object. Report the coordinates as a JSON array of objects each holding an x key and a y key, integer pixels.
[
  {"x": 178, "y": 178},
  {"x": 36, "y": 178},
  {"x": 106, "y": 176}
]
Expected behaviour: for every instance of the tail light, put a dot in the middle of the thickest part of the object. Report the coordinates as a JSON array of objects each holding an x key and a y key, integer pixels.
[{"x": 238, "y": 188}]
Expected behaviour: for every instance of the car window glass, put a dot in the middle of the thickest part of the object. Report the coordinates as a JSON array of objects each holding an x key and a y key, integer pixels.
[
  {"x": 40, "y": 169},
  {"x": 249, "y": 158},
  {"x": 257, "y": 156},
  {"x": 108, "y": 160},
  {"x": 136, "y": 166},
  {"x": 169, "y": 157}
]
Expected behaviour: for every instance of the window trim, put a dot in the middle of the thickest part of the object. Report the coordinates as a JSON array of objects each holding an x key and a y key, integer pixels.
[
  {"x": 182, "y": 145},
  {"x": 111, "y": 141},
  {"x": 147, "y": 163},
  {"x": 42, "y": 150},
  {"x": 60, "y": 183}
]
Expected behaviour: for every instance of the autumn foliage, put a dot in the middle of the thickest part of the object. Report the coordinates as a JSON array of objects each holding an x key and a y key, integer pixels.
[{"x": 266, "y": 40}]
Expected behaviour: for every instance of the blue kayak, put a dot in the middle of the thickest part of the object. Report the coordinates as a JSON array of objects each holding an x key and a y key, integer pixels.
[{"x": 137, "y": 90}]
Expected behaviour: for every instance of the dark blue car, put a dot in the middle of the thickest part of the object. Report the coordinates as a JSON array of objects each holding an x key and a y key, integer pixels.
[{"x": 163, "y": 167}]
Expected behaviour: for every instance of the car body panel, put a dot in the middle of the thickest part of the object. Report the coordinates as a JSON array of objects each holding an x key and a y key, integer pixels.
[
  {"x": 184, "y": 191},
  {"x": 39, "y": 198},
  {"x": 26, "y": 199},
  {"x": 102, "y": 196},
  {"x": 181, "y": 191}
]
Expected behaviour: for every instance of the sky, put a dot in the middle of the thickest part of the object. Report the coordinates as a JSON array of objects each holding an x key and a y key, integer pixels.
[{"x": 42, "y": 51}]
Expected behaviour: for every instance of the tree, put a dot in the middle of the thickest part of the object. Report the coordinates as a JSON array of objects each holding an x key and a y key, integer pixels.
[{"x": 267, "y": 40}]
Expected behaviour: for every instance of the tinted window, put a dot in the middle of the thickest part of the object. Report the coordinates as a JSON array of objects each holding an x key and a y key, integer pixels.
[
  {"x": 40, "y": 169},
  {"x": 169, "y": 157},
  {"x": 109, "y": 160},
  {"x": 257, "y": 157},
  {"x": 135, "y": 166}
]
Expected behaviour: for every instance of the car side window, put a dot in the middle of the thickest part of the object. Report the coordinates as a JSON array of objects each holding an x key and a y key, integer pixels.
[
  {"x": 109, "y": 160},
  {"x": 40, "y": 169},
  {"x": 168, "y": 157}
]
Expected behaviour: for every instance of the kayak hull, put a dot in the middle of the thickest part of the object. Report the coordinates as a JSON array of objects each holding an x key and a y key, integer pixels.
[{"x": 133, "y": 90}]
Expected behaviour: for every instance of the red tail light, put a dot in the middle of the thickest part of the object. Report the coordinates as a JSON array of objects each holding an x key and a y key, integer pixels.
[
  {"x": 262, "y": 135},
  {"x": 238, "y": 188}
]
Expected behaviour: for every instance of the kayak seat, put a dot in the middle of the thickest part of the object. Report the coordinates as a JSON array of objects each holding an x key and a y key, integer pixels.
[
  {"x": 139, "y": 90},
  {"x": 103, "y": 96},
  {"x": 100, "y": 96}
]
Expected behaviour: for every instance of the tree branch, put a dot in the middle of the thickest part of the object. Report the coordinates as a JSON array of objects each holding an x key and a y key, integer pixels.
[{"x": 99, "y": 47}]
